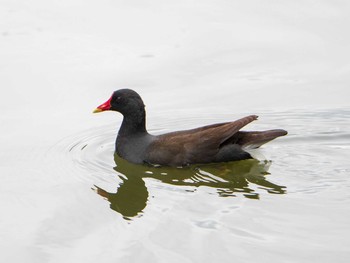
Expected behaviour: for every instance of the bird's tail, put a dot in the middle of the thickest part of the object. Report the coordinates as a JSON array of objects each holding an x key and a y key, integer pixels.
[{"x": 254, "y": 139}]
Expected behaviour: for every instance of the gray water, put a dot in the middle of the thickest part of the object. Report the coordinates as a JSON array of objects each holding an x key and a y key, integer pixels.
[{"x": 65, "y": 197}]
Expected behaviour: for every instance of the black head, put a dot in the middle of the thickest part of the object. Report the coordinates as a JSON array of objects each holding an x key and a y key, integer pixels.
[{"x": 125, "y": 101}]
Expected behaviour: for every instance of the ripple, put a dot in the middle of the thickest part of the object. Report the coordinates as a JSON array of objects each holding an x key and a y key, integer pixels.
[
  {"x": 123, "y": 184},
  {"x": 90, "y": 153}
]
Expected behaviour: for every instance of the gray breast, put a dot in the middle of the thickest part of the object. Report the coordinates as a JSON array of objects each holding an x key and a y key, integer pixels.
[{"x": 133, "y": 147}]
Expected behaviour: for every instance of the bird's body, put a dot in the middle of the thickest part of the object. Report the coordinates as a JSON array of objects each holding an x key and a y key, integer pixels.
[{"x": 220, "y": 142}]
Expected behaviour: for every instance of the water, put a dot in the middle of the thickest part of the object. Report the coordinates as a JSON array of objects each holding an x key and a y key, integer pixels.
[{"x": 65, "y": 197}]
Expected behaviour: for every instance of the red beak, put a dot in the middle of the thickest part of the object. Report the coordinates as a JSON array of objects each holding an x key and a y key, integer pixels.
[{"x": 103, "y": 107}]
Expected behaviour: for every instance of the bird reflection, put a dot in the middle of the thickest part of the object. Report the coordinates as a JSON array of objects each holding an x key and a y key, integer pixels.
[{"x": 227, "y": 178}]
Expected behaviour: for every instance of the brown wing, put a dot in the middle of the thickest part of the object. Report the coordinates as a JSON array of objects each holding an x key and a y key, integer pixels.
[{"x": 196, "y": 145}]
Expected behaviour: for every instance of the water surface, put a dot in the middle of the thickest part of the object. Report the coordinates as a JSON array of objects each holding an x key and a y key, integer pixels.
[{"x": 65, "y": 197}]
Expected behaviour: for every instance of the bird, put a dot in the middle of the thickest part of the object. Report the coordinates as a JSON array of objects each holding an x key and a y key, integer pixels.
[{"x": 215, "y": 143}]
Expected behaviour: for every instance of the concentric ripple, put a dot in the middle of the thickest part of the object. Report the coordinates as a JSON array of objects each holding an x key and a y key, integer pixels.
[
  {"x": 90, "y": 154},
  {"x": 91, "y": 157},
  {"x": 128, "y": 186}
]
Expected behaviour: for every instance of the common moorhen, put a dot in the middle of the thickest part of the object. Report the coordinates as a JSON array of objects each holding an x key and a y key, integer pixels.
[{"x": 222, "y": 142}]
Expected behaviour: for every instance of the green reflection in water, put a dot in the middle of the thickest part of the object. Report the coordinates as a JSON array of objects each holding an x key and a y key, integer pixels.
[{"x": 227, "y": 178}]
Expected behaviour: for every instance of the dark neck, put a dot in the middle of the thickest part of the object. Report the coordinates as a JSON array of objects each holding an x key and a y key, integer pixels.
[{"x": 133, "y": 123}]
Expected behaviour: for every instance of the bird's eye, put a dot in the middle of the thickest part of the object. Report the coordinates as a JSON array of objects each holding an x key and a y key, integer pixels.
[{"x": 118, "y": 98}]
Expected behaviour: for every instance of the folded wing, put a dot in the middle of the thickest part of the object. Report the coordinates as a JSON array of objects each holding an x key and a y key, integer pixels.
[{"x": 196, "y": 145}]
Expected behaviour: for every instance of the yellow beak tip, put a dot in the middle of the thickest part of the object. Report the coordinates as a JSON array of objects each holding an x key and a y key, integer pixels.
[{"x": 97, "y": 110}]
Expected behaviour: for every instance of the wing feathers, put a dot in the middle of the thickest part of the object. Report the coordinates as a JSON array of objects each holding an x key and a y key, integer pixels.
[{"x": 196, "y": 145}]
